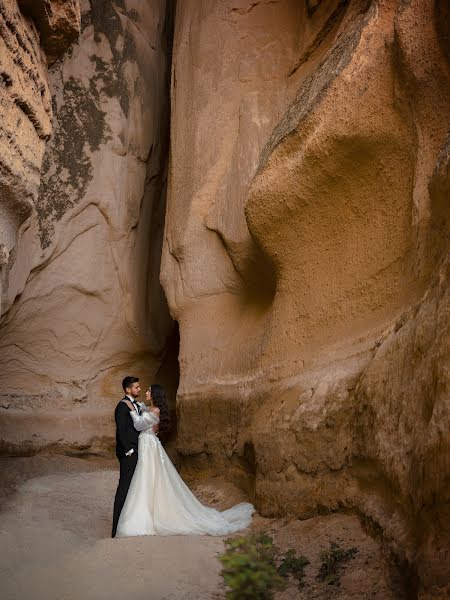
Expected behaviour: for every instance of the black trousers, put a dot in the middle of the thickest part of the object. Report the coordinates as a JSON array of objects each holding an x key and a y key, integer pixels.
[{"x": 127, "y": 467}]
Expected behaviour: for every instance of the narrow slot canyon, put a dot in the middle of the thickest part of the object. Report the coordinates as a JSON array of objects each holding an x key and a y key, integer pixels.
[{"x": 246, "y": 203}]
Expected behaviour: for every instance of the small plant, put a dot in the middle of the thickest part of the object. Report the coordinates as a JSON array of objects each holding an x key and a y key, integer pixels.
[
  {"x": 249, "y": 568},
  {"x": 291, "y": 565},
  {"x": 332, "y": 560}
]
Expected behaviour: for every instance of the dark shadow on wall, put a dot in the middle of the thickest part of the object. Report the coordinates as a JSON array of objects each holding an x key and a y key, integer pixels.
[
  {"x": 259, "y": 280},
  {"x": 168, "y": 376}
]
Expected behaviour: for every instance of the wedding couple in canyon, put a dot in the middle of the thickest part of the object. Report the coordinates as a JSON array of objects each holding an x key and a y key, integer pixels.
[{"x": 151, "y": 497}]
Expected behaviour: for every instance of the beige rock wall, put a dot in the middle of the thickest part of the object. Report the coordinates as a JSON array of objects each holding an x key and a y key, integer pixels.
[
  {"x": 306, "y": 227},
  {"x": 304, "y": 255},
  {"x": 25, "y": 111},
  {"x": 85, "y": 304},
  {"x": 58, "y": 22}
]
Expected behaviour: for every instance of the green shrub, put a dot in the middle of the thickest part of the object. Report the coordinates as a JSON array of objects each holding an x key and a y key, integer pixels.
[
  {"x": 250, "y": 568},
  {"x": 291, "y": 565},
  {"x": 332, "y": 560}
]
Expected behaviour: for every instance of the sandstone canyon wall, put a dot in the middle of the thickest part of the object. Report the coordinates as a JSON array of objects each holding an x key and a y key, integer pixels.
[
  {"x": 305, "y": 259},
  {"x": 26, "y": 109},
  {"x": 82, "y": 303},
  {"x": 305, "y": 251}
]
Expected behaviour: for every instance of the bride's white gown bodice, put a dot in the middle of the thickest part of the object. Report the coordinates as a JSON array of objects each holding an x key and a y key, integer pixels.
[{"x": 160, "y": 503}]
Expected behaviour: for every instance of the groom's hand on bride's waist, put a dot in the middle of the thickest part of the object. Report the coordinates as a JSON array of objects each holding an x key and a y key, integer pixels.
[{"x": 156, "y": 429}]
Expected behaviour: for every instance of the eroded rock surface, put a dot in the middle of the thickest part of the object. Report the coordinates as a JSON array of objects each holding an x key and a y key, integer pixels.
[
  {"x": 84, "y": 299},
  {"x": 25, "y": 112},
  {"x": 304, "y": 259},
  {"x": 58, "y": 22},
  {"x": 304, "y": 255}
]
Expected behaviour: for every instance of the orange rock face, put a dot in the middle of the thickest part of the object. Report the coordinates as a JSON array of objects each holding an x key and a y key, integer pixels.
[
  {"x": 304, "y": 253},
  {"x": 306, "y": 230}
]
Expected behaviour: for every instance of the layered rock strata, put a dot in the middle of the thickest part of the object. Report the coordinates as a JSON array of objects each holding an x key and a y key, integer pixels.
[
  {"x": 306, "y": 231},
  {"x": 84, "y": 304},
  {"x": 25, "y": 112}
]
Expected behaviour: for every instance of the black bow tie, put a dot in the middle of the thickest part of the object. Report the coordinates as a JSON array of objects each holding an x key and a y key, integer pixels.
[{"x": 136, "y": 406}]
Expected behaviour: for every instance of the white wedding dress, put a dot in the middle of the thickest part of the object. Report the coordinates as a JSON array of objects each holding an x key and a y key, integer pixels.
[{"x": 160, "y": 503}]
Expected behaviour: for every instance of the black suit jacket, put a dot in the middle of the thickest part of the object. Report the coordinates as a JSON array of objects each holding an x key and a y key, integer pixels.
[{"x": 126, "y": 434}]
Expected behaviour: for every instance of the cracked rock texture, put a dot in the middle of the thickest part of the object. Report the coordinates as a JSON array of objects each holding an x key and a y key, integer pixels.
[
  {"x": 82, "y": 303},
  {"x": 58, "y": 22},
  {"x": 304, "y": 259},
  {"x": 25, "y": 110}
]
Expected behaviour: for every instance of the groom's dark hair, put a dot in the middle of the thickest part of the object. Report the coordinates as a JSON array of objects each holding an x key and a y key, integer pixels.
[{"x": 128, "y": 382}]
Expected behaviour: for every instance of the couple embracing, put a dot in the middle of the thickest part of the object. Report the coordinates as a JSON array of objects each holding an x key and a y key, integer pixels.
[{"x": 151, "y": 497}]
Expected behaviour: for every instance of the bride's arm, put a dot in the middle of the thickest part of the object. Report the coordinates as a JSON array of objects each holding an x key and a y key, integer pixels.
[{"x": 141, "y": 422}]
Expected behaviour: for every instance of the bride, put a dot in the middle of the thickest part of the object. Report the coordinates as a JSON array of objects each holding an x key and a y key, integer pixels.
[{"x": 158, "y": 501}]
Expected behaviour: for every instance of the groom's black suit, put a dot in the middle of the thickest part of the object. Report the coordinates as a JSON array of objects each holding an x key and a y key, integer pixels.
[{"x": 126, "y": 440}]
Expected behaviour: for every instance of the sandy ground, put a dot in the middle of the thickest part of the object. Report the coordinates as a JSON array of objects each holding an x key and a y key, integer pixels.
[
  {"x": 55, "y": 525},
  {"x": 55, "y": 530}
]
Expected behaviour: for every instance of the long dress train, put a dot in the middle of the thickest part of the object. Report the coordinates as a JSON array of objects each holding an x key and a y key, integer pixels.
[{"x": 160, "y": 503}]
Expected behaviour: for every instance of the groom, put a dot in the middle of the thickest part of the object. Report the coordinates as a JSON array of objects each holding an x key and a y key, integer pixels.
[{"x": 126, "y": 444}]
